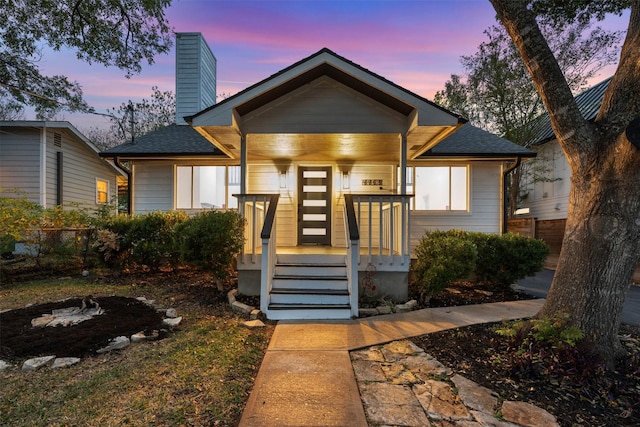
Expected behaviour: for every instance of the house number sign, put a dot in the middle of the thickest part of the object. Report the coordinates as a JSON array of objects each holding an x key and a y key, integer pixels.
[{"x": 372, "y": 182}]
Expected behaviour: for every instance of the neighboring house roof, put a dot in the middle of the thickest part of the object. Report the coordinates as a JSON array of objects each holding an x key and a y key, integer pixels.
[
  {"x": 471, "y": 141},
  {"x": 588, "y": 102},
  {"x": 173, "y": 140},
  {"x": 58, "y": 125}
]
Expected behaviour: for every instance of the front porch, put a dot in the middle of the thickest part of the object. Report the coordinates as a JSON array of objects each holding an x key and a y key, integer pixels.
[{"x": 321, "y": 281}]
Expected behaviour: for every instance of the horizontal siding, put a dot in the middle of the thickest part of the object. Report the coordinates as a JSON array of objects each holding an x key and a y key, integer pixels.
[
  {"x": 20, "y": 162},
  {"x": 153, "y": 187},
  {"x": 81, "y": 166},
  {"x": 324, "y": 106},
  {"x": 485, "y": 209},
  {"x": 548, "y": 200}
]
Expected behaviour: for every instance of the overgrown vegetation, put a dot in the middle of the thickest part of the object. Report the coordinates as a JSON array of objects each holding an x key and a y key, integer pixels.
[{"x": 446, "y": 256}]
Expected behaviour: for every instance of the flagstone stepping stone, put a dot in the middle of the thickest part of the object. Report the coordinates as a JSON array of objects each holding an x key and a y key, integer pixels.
[
  {"x": 64, "y": 362},
  {"x": 37, "y": 363}
]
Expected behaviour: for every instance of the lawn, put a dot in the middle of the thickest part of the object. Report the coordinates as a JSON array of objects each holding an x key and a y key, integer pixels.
[{"x": 199, "y": 375}]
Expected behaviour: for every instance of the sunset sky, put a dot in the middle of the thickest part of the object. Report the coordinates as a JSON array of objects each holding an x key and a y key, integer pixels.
[{"x": 416, "y": 44}]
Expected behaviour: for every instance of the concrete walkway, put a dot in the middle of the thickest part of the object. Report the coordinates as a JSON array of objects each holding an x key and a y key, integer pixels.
[{"x": 306, "y": 377}]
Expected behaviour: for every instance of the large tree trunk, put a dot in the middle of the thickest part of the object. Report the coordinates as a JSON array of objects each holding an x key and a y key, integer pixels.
[
  {"x": 600, "y": 249},
  {"x": 601, "y": 246}
]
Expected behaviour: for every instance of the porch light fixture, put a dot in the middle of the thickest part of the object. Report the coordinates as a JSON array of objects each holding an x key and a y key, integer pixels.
[
  {"x": 283, "y": 179},
  {"x": 346, "y": 180}
]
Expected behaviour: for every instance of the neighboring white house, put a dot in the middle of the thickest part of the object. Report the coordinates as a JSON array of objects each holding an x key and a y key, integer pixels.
[
  {"x": 547, "y": 182},
  {"x": 51, "y": 163},
  {"x": 336, "y": 170}
]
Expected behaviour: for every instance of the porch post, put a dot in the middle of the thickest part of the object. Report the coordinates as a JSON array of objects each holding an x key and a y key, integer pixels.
[
  {"x": 403, "y": 164},
  {"x": 243, "y": 164}
]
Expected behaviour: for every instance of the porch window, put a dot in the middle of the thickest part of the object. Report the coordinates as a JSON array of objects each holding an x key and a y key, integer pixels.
[
  {"x": 102, "y": 191},
  {"x": 207, "y": 187},
  {"x": 440, "y": 188}
]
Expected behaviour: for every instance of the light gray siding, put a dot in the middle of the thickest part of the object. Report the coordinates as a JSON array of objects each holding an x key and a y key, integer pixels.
[
  {"x": 324, "y": 106},
  {"x": 485, "y": 208},
  {"x": 195, "y": 75},
  {"x": 20, "y": 162},
  {"x": 81, "y": 166},
  {"x": 548, "y": 195},
  {"x": 153, "y": 187}
]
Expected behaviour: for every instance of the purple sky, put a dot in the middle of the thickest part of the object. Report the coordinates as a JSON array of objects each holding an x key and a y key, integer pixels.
[{"x": 416, "y": 44}]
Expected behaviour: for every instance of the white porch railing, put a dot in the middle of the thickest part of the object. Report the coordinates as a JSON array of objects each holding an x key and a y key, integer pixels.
[
  {"x": 253, "y": 208},
  {"x": 383, "y": 223}
]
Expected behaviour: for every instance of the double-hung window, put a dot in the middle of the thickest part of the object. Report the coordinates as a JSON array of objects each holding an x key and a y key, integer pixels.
[{"x": 102, "y": 191}]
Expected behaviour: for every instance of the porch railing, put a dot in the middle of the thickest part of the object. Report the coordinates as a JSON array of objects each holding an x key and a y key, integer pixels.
[
  {"x": 254, "y": 209},
  {"x": 353, "y": 252},
  {"x": 383, "y": 222}
]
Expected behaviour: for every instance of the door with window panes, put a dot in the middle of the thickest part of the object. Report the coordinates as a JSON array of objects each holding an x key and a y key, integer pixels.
[{"x": 314, "y": 205}]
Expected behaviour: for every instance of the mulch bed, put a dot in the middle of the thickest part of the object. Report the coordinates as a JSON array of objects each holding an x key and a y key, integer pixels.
[{"x": 122, "y": 317}]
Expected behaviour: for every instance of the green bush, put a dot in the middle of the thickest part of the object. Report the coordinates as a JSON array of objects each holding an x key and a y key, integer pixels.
[
  {"x": 504, "y": 259},
  {"x": 442, "y": 257},
  {"x": 211, "y": 240},
  {"x": 151, "y": 239},
  {"x": 111, "y": 244}
]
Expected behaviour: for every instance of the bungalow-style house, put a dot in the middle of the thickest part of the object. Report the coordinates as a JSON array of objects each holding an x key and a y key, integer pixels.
[
  {"x": 51, "y": 163},
  {"x": 546, "y": 186},
  {"x": 338, "y": 173}
]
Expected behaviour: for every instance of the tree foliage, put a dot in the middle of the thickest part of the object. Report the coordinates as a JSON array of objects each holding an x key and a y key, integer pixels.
[
  {"x": 121, "y": 33},
  {"x": 496, "y": 92},
  {"x": 132, "y": 120}
]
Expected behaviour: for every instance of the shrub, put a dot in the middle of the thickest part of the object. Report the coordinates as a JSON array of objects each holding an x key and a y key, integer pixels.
[
  {"x": 442, "y": 257},
  {"x": 504, "y": 259},
  {"x": 111, "y": 244},
  {"x": 211, "y": 240},
  {"x": 152, "y": 240}
]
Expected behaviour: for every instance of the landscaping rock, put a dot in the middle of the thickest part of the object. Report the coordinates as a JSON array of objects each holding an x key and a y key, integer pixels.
[
  {"x": 171, "y": 313},
  {"x": 4, "y": 365},
  {"x": 231, "y": 296},
  {"x": 475, "y": 396},
  {"x": 140, "y": 336},
  {"x": 117, "y": 343},
  {"x": 42, "y": 321},
  {"x": 383, "y": 309},
  {"x": 64, "y": 362},
  {"x": 367, "y": 312},
  {"x": 527, "y": 415},
  {"x": 37, "y": 363},
  {"x": 253, "y": 324},
  {"x": 412, "y": 304},
  {"x": 242, "y": 308},
  {"x": 172, "y": 322},
  {"x": 402, "y": 308},
  {"x": 254, "y": 314}
]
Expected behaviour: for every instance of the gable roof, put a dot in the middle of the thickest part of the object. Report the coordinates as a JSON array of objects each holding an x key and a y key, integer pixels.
[
  {"x": 588, "y": 102},
  {"x": 311, "y": 74},
  {"x": 59, "y": 125},
  {"x": 173, "y": 140},
  {"x": 471, "y": 141}
]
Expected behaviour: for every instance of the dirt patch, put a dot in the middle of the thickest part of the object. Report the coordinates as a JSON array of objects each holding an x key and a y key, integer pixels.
[{"x": 122, "y": 317}]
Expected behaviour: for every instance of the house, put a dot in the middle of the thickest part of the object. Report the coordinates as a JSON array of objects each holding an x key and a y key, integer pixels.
[
  {"x": 51, "y": 163},
  {"x": 547, "y": 180},
  {"x": 338, "y": 173}
]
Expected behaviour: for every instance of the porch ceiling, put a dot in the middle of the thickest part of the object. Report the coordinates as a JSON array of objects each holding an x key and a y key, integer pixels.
[{"x": 331, "y": 147}]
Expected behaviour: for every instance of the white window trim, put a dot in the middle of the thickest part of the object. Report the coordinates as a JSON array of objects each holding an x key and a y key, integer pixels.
[{"x": 457, "y": 212}]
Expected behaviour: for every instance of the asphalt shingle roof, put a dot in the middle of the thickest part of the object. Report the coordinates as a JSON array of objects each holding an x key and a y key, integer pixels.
[
  {"x": 588, "y": 102},
  {"x": 172, "y": 140},
  {"x": 471, "y": 141}
]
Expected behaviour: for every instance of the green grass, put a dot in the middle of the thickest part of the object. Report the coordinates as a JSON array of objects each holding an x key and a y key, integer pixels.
[{"x": 201, "y": 375}]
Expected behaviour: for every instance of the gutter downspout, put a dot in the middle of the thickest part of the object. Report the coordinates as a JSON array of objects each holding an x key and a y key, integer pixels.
[
  {"x": 116, "y": 160},
  {"x": 505, "y": 206}
]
